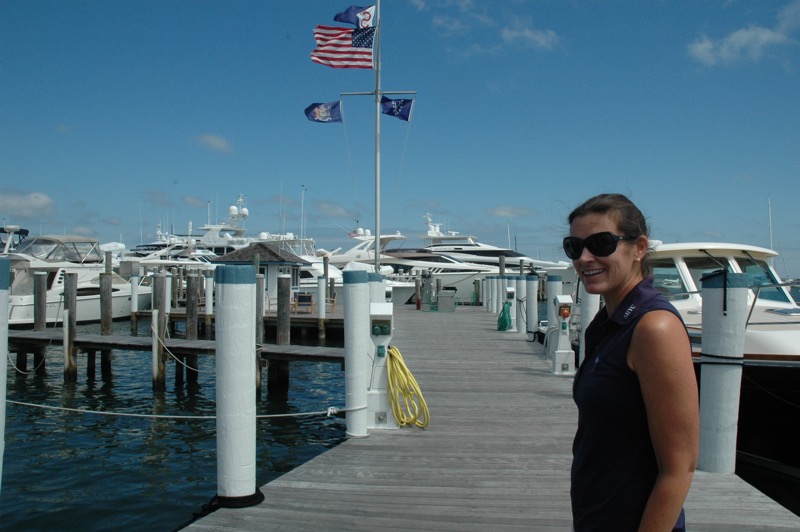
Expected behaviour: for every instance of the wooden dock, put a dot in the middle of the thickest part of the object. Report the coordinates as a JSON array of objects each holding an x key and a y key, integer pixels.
[
  {"x": 18, "y": 339},
  {"x": 496, "y": 455}
]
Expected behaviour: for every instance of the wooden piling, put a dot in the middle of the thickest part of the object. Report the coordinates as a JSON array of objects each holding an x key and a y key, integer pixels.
[
  {"x": 106, "y": 317},
  {"x": 39, "y": 317},
  {"x": 187, "y": 364},
  {"x": 70, "y": 319},
  {"x": 278, "y": 370},
  {"x": 260, "y": 284},
  {"x": 160, "y": 296}
]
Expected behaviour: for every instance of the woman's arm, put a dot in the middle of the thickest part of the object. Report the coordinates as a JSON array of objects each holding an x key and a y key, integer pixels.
[{"x": 660, "y": 354}]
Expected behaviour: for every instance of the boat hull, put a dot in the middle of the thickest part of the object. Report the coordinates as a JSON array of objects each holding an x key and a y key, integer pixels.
[{"x": 88, "y": 308}]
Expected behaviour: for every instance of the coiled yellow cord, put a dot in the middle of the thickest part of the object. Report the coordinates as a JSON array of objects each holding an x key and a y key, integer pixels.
[{"x": 405, "y": 396}]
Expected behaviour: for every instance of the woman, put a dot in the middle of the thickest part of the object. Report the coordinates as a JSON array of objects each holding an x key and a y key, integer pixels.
[{"x": 636, "y": 446}]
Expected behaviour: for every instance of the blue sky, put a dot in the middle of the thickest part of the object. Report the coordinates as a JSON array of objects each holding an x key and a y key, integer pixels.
[{"x": 117, "y": 115}]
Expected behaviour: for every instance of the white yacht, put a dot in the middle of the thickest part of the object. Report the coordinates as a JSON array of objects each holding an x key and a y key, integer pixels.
[
  {"x": 467, "y": 248},
  {"x": 773, "y": 325},
  {"x": 58, "y": 255},
  {"x": 405, "y": 265}
]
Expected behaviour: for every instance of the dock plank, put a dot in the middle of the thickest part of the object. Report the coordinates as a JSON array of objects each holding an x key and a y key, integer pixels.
[
  {"x": 496, "y": 455},
  {"x": 20, "y": 338}
]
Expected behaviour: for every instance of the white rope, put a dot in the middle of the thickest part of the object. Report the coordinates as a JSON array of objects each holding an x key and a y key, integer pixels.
[
  {"x": 8, "y": 355},
  {"x": 330, "y": 411}
]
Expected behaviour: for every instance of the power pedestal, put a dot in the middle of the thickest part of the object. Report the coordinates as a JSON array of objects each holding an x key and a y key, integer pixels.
[{"x": 379, "y": 411}]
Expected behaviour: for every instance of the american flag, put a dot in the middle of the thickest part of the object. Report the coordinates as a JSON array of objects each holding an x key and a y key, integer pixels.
[{"x": 343, "y": 47}]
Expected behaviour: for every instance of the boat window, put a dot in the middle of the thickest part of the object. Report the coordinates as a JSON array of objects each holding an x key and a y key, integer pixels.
[
  {"x": 667, "y": 279},
  {"x": 702, "y": 266},
  {"x": 84, "y": 252},
  {"x": 759, "y": 274},
  {"x": 37, "y": 247}
]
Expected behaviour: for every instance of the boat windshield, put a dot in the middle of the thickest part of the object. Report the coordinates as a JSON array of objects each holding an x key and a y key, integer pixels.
[
  {"x": 757, "y": 271},
  {"x": 56, "y": 250},
  {"x": 759, "y": 274}
]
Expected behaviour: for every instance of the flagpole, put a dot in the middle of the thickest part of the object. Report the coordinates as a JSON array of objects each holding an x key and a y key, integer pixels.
[{"x": 377, "y": 56}]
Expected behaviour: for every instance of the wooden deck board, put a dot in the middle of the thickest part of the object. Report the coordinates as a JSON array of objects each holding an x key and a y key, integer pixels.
[
  {"x": 18, "y": 338},
  {"x": 495, "y": 456}
]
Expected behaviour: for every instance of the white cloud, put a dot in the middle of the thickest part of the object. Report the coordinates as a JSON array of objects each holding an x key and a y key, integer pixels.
[
  {"x": 215, "y": 143},
  {"x": 194, "y": 201},
  {"x": 507, "y": 211},
  {"x": 31, "y": 205},
  {"x": 750, "y": 43},
  {"x": 536, "y": 38}
]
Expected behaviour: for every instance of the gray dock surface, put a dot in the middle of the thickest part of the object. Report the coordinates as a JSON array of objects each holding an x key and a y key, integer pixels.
[{"x": 496, "y": 455}]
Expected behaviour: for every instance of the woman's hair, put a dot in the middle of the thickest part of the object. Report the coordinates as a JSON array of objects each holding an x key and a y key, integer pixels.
[{"x": 624, "y": 212}]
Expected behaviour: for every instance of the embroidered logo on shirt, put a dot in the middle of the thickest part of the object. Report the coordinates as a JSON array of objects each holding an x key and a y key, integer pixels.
[{"x": 628, "y": 312}]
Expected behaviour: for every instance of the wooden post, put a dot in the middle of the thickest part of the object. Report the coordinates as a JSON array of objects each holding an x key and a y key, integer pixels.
[
  {"x": 209, "y": 299},
  {"x": 260, "y": 282},
  {"x": 322, "y": 288},
  {"x": 193, "y": 283},
  {"x": 70, "y": 319},
  {"x": 91, "y": 364},
  {"x": 40, "y": 301},
  {"x": 160, "y": 298},
  {"x": 106, "y": 306},
  {"x": 39, "y": 323},
  {"x": 106, "y": 319},
  {"x": 278, "y": 371}
]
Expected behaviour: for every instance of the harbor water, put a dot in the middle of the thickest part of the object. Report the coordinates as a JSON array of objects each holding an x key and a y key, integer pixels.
[{"x": 91, "y": 471}]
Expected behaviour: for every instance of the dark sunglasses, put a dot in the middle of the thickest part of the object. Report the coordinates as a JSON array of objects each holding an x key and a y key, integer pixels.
[{"x": 599, "y": 244}]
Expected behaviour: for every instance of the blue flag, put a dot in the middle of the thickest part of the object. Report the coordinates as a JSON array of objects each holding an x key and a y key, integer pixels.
[
  {"x": 324, "y": 112},
  {"x": 399, "y": 108},
  {"x": 361, "y": 17}
]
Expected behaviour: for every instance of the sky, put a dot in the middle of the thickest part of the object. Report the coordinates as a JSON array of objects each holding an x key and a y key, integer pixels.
[{"x": 116, "y": 116}]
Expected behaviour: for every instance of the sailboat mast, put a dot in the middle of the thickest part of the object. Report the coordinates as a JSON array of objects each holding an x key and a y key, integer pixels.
[{"x": 377, "y": 59}]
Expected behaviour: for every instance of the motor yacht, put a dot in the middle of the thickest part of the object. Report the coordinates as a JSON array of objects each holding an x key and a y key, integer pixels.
[{"x": 57, "y": 256}]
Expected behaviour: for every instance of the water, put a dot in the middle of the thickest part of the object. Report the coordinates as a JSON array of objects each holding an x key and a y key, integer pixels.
[{"x": 96, "y": 472}]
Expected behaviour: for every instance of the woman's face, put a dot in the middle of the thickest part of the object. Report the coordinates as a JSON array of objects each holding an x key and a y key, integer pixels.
[{"x": 612, "y": 276}]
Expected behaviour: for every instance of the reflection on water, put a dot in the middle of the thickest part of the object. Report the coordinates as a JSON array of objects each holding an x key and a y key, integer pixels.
[{"x": 97, "y": 472}]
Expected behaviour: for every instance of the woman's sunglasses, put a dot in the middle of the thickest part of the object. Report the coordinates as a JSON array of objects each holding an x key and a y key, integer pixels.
[{"x": 599, "y": 244}]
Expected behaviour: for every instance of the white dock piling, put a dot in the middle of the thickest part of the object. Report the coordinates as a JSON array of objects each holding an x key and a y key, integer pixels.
[
  {"x": 499, "y": 293},
  {"x": 357, "y": 351},
  {"x": 5, "y": 276},
  {"x": 154, "y": 348},
  {"x": 724, "y": 320},
  {"x": 532, "y": 306},
  {"x": 377, "y": 288},
  {"x": 489, "y": 289},
  {"x": 553, "y": 289},
  {"x": 522, "y": 302},
  {"x": 510, "y": 297},
  {"x": 134, "y": 280},
  {"x": 589, "y": 306},
  {"x": 322, "y": 288},
  {"x": 236, "y": 393}
]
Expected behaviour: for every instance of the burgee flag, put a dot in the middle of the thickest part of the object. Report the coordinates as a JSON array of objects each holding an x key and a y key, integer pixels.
[
  {"x": 343, "y": 47},
  {"x": 324, "y": 112},
  {"x": 361, "y": 17},
  {"x": 399, "y": 108}
]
